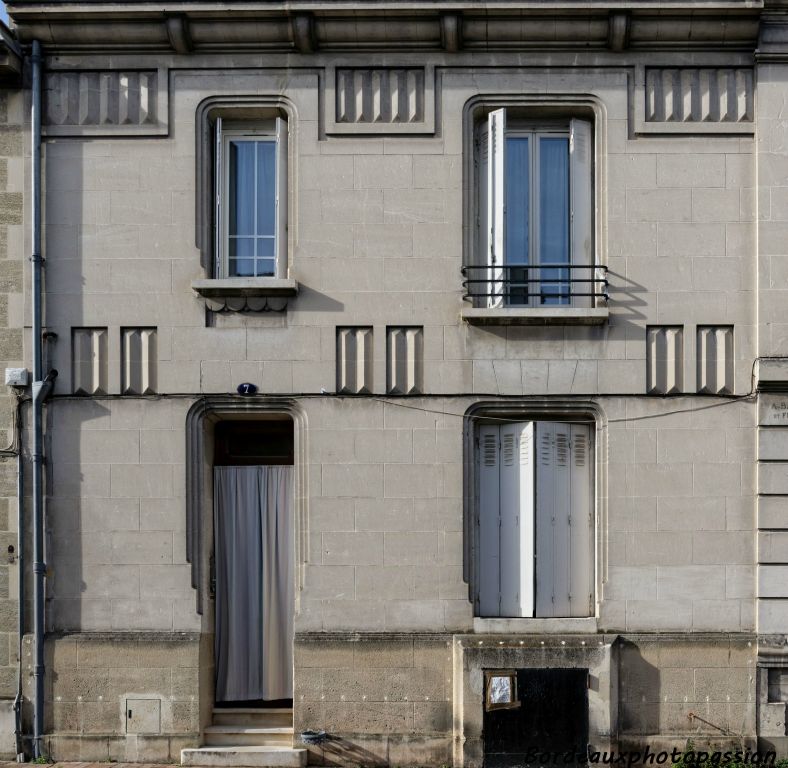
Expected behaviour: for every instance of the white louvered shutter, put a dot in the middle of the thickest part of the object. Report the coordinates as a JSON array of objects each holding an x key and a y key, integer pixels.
[
  {"x": 517, "y": 522},
  {"x": 218, "y": 176},
  {"x": 496, "y": 129},
  {"x": 489, "y": 521},
  {"x": 563, "y": 515},
  {"x": 581, "y": 592},
  {"x": 482, "y": 222},
  {"x": 281, "y": 197},
  {"x": 582, "y": 207},
  {"x": 552, "y": 519},
  {"x": 545, "y": 482}
]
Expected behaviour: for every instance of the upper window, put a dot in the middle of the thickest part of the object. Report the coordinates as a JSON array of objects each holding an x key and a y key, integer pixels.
[
  {"x": 251, "y": 199},
  {"x": 535, "y": 238},
  {"x": 535, "y": 520}
]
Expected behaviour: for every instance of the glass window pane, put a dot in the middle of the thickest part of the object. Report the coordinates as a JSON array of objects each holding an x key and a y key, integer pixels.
[
  {"x": 517, "y": 200},
  {"x": 554, "y": 218},
  {"x": 501, "y": 690},
  {"x": 241, "y": 268},
  {"x": 241, "y": 188},
  {"x": 241, "y": 246},
  {"x": 266, "y": 188},
  {"x": 266, "y": 246},
  {"x": 266, "y": 267}
]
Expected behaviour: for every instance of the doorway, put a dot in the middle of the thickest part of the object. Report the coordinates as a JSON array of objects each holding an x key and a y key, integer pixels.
[
  {"x": 253, "y": 561},
  {"x": 545, "y": 713}
]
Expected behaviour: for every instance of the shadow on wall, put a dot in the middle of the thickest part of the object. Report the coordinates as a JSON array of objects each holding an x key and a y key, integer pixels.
[
  {"x": 339, "y": 751},
  {"x": 639, "y": 692}
]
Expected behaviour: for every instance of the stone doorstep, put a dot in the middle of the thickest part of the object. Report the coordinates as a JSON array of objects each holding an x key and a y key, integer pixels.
[{"x": 255, "y": 757}]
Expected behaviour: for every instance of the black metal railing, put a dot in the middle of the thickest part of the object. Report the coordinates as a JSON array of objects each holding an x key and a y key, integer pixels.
[{"x": 535, "y": 285}]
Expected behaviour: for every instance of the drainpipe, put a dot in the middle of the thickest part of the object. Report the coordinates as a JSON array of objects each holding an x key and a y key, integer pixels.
[
  {"x": 40, "y": 391},
  {"x": 20, "y": 568}
]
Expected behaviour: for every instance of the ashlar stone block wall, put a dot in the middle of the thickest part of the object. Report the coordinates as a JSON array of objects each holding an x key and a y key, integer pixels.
[
  {"x": 99, "y": 688},
  {"x": 12, "y": 263}
]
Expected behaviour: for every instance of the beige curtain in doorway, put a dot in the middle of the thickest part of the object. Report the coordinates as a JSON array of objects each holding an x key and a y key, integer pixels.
[{"x": 253, "y": 544}]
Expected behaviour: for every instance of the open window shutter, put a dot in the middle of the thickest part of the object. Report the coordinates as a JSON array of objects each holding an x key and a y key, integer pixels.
[
  {"x": 482, "y": 220},
  {"x": 581, "y": 593},
  {"x": 517, "y": 521},
  {"x": 489, "y": 521},
  {"x": 217, "y": 204},
  {"x": 582, "y": 208},
  {"x": 281, "y": 197},
  {"x": 545, "y": 481},
  {"x": 496, "y": 128}
]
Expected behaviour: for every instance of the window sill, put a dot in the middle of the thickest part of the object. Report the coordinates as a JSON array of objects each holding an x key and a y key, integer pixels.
[
  {"x": 246, "y": 294},
  {"x": 531, "y": 626},
  {"x": 536, "y": 316}
]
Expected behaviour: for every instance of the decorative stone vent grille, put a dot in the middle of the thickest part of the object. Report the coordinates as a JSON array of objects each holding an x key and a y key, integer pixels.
[
  {"x": 380, "y": 95},
  {"x": 695, "y": 95},
  {"x": 354, "y": 361},
  {"x": 715, "y": 360},
  {"x": 405, "y": 361},
  {"x": 89, "y": 361},
  {"x": 105, "y": 103},
  {"x": 665, "y": 359},
  {"x": 138, "y": 352},
  {"x": 101, "y": 98}
]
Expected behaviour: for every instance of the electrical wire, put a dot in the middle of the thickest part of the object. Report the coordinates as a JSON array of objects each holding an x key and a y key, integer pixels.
[{"x": 724, "y": 401}]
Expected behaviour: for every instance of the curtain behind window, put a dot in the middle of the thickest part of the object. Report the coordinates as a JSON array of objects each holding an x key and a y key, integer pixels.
[{"x": 253, "y": 529}]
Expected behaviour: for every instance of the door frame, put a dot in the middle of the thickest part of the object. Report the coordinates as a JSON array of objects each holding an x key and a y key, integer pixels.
[{"x": 201, "y": 419}]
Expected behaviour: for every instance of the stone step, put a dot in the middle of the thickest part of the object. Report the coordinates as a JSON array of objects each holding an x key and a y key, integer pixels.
[
  {"x": 254, "y": 757},
  {"x": 246, "y": 736},
  {"x": 254, "y": 717}
]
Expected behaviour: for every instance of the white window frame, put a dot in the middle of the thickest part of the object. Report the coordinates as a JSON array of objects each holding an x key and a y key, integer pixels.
[
  {"x": 274, "y": 130},
  {"x": 491, "y": 208},
  {"x": 522, "y": 592}
]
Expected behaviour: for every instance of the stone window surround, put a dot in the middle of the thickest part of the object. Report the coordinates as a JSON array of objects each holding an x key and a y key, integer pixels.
[
  {"x": 200, "y": 420},
  {"x": 238, "y": 294},
  {"x": 538, "y": 409},
  {"x": 548, "y": 106}
]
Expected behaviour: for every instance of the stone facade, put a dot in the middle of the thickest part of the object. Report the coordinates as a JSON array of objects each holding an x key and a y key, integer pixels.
[
  {"x": 687, "y": 635},
  {"x": 12, "y": 186}
]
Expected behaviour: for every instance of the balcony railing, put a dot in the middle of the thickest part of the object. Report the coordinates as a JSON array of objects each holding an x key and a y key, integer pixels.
[{"x": 536, "y": 285}]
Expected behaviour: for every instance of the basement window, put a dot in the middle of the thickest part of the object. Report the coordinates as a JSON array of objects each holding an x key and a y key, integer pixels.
[{"x": 501, "y": 690}]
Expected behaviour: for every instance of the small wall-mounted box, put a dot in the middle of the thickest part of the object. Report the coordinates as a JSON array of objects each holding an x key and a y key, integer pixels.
[
  {"x": 16, "y": 377},
  {"x": 143, "y": 716}
]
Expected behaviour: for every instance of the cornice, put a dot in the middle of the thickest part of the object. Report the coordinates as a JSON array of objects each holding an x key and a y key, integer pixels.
[
  {"x": 306, "y": 26},
  {"x": 10, "y": 58}
]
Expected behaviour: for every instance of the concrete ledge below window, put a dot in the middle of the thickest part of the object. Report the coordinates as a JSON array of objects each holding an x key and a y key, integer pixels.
[
  {"x": 246, "y": 294},
  {"x": 533, "y": 626},
  {"x": 246, "y": 286},
  {"x": 536, "y": 315}
]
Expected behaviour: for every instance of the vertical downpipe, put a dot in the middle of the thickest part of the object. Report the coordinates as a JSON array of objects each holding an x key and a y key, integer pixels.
[
  {"x": 20, "y": 567},
  {"x": 38, "y": 397}
]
